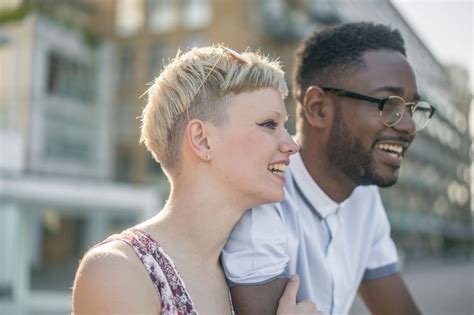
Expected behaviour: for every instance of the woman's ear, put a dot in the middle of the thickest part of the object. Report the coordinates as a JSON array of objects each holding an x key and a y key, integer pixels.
[
  {"x": 196, "y": 134},
  {"x": 315, "y": 106}
]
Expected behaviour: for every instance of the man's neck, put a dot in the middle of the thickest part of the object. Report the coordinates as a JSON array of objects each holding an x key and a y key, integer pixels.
[{"x": 329, "y": 178}]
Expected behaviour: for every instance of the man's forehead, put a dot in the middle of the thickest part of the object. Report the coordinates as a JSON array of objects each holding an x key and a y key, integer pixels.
[
  {"x": 384, "y": 71},
  {"x": 385, "y": 63}
]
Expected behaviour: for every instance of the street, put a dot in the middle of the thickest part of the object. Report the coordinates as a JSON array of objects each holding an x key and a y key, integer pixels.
[{"x": 438, "y": 287}]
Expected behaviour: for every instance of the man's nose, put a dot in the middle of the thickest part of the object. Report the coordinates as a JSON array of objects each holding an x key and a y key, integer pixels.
[{"x": 406, "y": 124}]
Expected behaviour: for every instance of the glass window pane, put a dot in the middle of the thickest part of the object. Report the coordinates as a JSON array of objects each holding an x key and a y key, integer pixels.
[
  {"x": 196, "y": 13},
  {"x": 60, "y": 237},
  {"x": 126, "y": 66},
  {"x": 129, "y": 16},
  {"x": 159, "y": 54},
  {"x": 162, "y": 15},
  {"x": 70, "y": 78}
]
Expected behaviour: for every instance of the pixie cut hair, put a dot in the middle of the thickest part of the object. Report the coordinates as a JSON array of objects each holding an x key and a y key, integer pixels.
[{"x": 198, "y": 85}]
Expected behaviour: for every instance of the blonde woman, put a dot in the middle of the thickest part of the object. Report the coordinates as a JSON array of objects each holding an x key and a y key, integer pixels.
[{"x": 215, "y": 122}]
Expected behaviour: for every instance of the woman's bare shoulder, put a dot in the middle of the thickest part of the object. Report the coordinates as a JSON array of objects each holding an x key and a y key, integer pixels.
[{"x": 111, "y": 279}]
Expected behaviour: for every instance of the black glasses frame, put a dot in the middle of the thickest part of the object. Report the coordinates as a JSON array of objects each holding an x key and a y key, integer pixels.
[{"x": 379, "y": 101}]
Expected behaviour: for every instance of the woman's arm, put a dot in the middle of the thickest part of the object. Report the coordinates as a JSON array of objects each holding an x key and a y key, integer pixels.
[{"x": 111, "y": 280}]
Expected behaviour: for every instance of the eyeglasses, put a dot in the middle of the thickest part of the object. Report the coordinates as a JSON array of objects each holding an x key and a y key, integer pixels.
[
  {"x": 392, "y": 108},
  {"x": 232, "y": 55}
]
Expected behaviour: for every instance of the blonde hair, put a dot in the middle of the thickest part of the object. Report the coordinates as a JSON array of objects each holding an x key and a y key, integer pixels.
[{"x": 198, "y": 84}]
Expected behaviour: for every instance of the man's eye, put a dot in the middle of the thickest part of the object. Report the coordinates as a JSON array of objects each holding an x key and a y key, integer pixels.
[{"x": 269, "y": 124}]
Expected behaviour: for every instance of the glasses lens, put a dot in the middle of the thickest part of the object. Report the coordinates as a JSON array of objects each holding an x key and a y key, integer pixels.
[
  {"x": 393, "y": 110},
  {"x": 421, "y": 115}
]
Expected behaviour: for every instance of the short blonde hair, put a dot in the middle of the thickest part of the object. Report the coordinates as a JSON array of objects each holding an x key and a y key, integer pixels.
[{"x": 198, "y": 84}]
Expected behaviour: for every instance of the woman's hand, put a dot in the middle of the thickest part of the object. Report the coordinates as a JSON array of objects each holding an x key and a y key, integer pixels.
[{"x": 288, "y": 305}]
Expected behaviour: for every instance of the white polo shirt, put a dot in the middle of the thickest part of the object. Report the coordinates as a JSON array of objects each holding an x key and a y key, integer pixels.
[{"x": 331, "y": 246}]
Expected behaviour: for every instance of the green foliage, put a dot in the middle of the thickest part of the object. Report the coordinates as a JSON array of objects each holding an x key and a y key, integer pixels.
[
  {"x": 15, "y": 14},
  {"x": 19, "y": 13}
]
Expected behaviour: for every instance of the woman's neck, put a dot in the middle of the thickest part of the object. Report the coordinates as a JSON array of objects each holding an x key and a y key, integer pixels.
[{"x": 196, "y": 221}]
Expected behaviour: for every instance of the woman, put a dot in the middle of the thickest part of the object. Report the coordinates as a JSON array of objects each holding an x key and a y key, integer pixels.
[{"x": 215, "y": 121}]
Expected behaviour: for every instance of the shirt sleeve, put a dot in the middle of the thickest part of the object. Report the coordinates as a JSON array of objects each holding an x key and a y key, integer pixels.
[
  {"x": 383, "y": 260},
  {"x": 255, "y": 252}
]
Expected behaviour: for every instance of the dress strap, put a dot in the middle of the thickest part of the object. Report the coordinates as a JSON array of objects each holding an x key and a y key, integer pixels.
[{"x": 162, "y": 271}]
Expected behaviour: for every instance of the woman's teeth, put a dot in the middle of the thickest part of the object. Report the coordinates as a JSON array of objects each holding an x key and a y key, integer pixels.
[{"x": 277, "y": 169}]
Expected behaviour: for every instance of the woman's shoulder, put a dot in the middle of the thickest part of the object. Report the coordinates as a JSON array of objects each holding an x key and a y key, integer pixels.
[
  {"x": 115, "y": 255},
  {"x": 111, "y": 278}
]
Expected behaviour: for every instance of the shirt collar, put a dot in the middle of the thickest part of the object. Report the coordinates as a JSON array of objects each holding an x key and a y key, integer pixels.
[{"x": 321, "y": 202}]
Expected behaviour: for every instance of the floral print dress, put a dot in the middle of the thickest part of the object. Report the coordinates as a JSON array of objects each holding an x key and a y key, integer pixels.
[{"x": 162, "y": 271}]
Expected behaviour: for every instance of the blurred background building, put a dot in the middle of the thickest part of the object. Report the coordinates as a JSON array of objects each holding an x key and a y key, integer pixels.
[{"x": 72, "y": 170}]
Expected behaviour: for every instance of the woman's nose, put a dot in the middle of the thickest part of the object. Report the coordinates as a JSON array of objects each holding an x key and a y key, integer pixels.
[{"x": 288, "y": 145}]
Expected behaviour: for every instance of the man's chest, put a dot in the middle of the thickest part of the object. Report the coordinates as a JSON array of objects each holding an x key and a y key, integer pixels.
[{"x": 329, "y": 254}]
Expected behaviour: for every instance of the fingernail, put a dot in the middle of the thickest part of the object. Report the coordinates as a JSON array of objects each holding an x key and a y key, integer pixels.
[{"x": 295, "y": 277}]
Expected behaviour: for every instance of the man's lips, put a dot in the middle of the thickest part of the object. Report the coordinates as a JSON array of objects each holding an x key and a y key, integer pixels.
[
  {"x": 396, "y": 146},
  {"x": 392, "y": 150}
]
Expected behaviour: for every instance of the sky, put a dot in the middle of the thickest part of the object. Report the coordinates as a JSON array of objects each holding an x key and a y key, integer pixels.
[{"x": 446, "y": 27}]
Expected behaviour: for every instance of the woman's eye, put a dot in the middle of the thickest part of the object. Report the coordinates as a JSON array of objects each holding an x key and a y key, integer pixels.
[{"x": 269, "y": 124}]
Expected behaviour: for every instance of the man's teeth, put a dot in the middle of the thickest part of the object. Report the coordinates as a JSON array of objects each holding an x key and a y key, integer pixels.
[
  {"x": 278, "y": 169},
  {"x": 391, "y": 148}
]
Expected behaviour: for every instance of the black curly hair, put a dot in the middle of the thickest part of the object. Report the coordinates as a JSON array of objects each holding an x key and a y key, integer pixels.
[{"x": 337, "y": 51}]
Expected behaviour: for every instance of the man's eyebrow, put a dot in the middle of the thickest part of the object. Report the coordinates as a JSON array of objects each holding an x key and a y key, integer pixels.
[
  {"x": 392, "y": 89},
  {"x": 396, "y": 91}
]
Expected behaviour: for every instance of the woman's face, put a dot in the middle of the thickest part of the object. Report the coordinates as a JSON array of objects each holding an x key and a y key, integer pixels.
[{"x": 252, "y": 147}]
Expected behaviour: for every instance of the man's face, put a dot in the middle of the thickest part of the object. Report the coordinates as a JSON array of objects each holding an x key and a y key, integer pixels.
[{"x": 360, "y": 145}]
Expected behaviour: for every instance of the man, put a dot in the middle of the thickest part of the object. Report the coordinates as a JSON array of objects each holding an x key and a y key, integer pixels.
[{"x": 358, "y": 111}]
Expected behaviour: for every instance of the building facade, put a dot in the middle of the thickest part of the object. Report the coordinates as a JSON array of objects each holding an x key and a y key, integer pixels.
[
  {"x": 57, "y": 196},
  {"x": 72, "y": 170}
]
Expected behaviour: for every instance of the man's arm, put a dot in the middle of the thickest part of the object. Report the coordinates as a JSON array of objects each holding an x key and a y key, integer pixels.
[
  {"x": 388, "y": 295},
  {"x": 258, "y": 299},
  {"x": 277, "y": 297}
]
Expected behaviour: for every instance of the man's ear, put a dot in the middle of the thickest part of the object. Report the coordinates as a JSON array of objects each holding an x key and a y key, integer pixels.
[
  {"x": 196, "y": 135},
  {"x": 315, "y": 106}
]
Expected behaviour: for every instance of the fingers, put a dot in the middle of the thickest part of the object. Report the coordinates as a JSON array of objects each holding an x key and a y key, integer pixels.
[
  {"x": 308, "y": 307},
  {"x": 288, "y": 303},
  {"x": 291, "y": 290}
]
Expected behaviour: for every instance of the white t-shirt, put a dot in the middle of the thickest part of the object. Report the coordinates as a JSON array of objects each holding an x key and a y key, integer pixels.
[{"x": 331, "y": 246}]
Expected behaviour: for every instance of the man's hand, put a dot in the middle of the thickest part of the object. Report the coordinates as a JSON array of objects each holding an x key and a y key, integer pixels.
[{"x": 288, "y": 305}]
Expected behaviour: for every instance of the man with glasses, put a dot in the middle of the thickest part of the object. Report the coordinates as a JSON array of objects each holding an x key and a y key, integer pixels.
[{"x": 358, "y": 111}]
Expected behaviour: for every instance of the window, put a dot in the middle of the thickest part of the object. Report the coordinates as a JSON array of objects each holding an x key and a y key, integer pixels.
[
  {"x": 129, "y": 16},
  {"x": 125, "y": 122},
  {"x": 59, "y": 250},
  {"x": 162, "y": 15},
  {"x": 70, "y": 78},
  {"x": 196, "y": 13},
  {"x": 126, "y": 66},
  {"x": 60, "y": 146},
  {"x": 69, "y": 138},
  {"x": 159, "y": 53},
  {"x": 3, "y": 114},
  {"x": 123, "y": 164},
  {"x": 61, "y": 236},
  {"x": 195, "y": 40}
]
